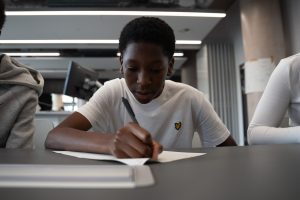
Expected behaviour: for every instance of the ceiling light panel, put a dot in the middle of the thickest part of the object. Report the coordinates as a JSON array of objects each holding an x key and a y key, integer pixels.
[
  {"x": 182, "y": 42},
  {"x": 114, "y": 13},
  {"x": 38, "y": 54}
]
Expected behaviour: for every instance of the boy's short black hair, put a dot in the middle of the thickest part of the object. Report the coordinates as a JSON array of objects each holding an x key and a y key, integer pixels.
[
  {"x": 2, "y": 14},
  {"x": 151, "y": 30}
]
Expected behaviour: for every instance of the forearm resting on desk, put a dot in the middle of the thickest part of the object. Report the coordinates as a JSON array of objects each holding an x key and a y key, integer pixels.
[
  {"x": 71, "y": 139},
  {"x": 273, "y": 135},
  {"x": 130, "y": 141},
  {"x": 121, "y": 145}
]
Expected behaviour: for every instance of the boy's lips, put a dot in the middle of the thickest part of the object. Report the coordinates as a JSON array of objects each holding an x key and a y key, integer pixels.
[
  {"x": 143, "y": 96},
  {"x": 143, "y": 93}
]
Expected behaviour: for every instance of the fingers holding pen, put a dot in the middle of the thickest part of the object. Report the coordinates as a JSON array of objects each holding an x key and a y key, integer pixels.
[
  {"x": 126, "y": 143},
  {"x": 157, "y": 149},
  {"x": 141, "y": 140},
  {"x": 132, "y": 141},
  {"x": 124, "y": 151},
  {"x": 140, "y": 133}
]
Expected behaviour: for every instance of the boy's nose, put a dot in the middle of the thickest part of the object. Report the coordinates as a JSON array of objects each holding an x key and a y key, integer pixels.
[{"x": 144, "y": 78}]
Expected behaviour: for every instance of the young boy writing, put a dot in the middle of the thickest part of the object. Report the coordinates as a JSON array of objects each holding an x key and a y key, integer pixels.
[{"x": 168, "y": 113}]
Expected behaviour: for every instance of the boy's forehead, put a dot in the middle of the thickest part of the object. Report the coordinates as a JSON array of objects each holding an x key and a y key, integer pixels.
[{"x": 143, "y": 48}]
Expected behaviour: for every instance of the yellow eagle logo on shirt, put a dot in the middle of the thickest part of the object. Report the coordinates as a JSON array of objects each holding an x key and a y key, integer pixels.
[{"x": 177, "y": 125}]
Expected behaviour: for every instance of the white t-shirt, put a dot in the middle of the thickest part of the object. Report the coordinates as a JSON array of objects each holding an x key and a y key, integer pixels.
[
  {"x": 282, "y": 94},
  {"x": 172, "y": 118}
]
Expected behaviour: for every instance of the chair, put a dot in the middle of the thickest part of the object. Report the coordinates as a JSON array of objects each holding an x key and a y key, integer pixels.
[{"x": 42, "y": 128}]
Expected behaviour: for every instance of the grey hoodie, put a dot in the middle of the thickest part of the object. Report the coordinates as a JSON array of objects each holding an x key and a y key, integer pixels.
[{"x": 20, "y": 88}]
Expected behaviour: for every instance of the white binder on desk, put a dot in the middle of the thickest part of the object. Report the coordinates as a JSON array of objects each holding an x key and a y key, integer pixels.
[{"x": 74, "y": 176}]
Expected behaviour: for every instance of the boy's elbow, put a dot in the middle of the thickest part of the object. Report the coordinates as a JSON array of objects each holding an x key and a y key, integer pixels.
[
  {"x": 50, "y": 140},
  {"x": 228, "y": 142}
]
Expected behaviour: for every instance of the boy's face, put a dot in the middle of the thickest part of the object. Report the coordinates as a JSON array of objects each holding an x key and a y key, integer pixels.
[{"x": 145, "y": 69}]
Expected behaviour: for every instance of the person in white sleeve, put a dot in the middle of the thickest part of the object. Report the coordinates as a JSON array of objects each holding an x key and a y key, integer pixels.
[
  {"x": 166, "y": 113},
  {"x": 281, "y": 95}
]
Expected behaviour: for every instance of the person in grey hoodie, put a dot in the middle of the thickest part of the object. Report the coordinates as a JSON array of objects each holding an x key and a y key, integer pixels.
[{"x": 20, "y": 88}]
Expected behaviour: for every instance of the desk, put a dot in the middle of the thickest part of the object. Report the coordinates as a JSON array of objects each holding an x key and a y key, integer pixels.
[{"x": 258, "y": 172}]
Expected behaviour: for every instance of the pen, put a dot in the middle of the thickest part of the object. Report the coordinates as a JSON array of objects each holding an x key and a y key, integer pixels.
[
  {"x": 129, "y": 109},
  {"x": 132, "y": 115}
]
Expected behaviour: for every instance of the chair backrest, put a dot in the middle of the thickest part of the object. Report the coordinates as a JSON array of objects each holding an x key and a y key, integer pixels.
[{"x": 42, "y": 128}]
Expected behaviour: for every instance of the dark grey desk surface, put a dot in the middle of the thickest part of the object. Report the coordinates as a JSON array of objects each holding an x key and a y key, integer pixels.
[{"x": 258, "y": 172}]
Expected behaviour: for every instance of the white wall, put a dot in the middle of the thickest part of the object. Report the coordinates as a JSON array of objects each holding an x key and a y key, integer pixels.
[
  {"x": 291, "y": 17},
  {"x": 229, "y": 30},
  {"x": 202, "y": 71}
]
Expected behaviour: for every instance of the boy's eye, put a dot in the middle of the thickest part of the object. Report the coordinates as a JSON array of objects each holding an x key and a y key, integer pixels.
[
  {"x": 133, "y": 69},
  {"x": 156, "y": 70}
]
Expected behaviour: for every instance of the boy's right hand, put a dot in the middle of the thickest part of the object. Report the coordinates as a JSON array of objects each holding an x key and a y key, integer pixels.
[
  {"x": 132, "y": 141},
  {"x": 157, "y": 149}
]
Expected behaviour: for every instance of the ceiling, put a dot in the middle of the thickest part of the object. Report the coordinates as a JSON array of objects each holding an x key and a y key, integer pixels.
[
  {"x": 97, "y": 27},
  {"x": 187, "y": 4}
]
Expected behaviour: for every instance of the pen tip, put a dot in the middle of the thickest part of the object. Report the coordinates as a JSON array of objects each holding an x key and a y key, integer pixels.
[{"x": 124, "y": 99}]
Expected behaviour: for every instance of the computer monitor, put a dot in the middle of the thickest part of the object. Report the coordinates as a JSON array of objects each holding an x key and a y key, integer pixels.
[{"x": 80, "y": 82}]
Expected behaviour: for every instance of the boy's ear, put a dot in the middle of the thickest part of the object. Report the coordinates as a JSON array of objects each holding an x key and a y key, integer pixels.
[
  {"x": 170, "y": 68},
  {"x": 121, "y": 62}
]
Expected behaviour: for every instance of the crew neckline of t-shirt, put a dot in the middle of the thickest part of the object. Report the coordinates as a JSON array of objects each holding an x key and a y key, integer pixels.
[{"x": 157, "y": 101}]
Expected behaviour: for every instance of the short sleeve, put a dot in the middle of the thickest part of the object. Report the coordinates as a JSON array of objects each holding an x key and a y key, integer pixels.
[
  {"x": 96, "y": 110},
  {"x": 211, "y": 129}
]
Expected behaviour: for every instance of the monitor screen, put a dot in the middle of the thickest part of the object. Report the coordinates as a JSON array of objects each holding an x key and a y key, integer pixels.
[{"x": 77, "y": 81}]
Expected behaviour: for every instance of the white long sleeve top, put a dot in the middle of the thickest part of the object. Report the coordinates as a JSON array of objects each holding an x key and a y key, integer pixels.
[{"x": 281, "y": 94}]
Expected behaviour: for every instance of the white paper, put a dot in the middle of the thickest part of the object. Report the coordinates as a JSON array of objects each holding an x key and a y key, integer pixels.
[
  {"x": 168, "y": 156},
  {"x": 95, "y": 156},
  {"x": 165, "y": 156}
]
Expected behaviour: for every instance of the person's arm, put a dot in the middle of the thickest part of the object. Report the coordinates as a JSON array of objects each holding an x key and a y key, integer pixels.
[
  {"x": 130, "y": 141},
  {"x": 264, "y": 126},
  {"x": 228, "y": 142},
  {"x": 213, "y": 131}
]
